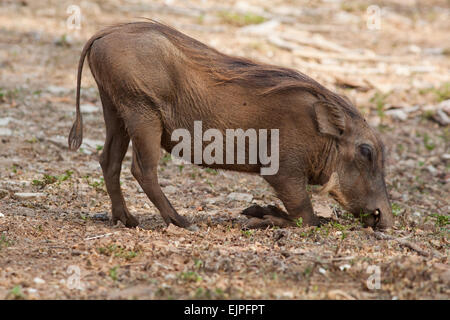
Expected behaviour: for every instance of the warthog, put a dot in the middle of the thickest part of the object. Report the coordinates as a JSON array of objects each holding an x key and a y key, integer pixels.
[{"x": 154, "y": 79}]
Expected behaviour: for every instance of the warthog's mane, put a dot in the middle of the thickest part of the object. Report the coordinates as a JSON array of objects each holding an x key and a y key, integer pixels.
[{"x": 266, "y": 79}]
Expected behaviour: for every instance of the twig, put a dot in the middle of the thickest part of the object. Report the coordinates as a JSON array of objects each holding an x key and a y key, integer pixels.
[
  {"x": 100, "y": 236},
  {"x": 406, "y": 243}
]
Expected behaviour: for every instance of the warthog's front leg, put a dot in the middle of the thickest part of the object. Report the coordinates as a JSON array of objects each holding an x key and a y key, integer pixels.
[{"x": 292, "y": 192}]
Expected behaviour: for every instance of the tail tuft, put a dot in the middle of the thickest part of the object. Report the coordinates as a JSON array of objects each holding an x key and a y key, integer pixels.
[{"x": 76, "y": 135}]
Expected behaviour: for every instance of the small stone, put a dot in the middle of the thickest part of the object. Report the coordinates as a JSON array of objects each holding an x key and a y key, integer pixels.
[
  {"x": 6, "y": 121},
  {"x": 28, "y": 195},
  {"x": 38, "y": 280},
  {"x": 441, "y": 117},
  {"x": 260, "y": 29},
  {"x": 397, "y": 114},
  {"x": 100, "y": 216},
  {"x": 5, "y": 132},
  {"x": 236, "y": 196},
  {"x": 444, "y": 106},
  {"x": 170, "y": 276},
  {"x": 64, "y": 40},
  {"x": 170, "y": 189},
  {"x": 322, "y": 271},
  {"x": 414, "y": 49},
  {"x": 345, "y": 267},
  {"x": 213, "y": 200},
  {"x": 432, "y": 170},
  {"x": 57, "y": 90},
  {"x": 2, "y": 215},
  {"x": 89, "y": 143},
  {"x": 433, "y": 51},
  {"x": 446, "y": 156}
]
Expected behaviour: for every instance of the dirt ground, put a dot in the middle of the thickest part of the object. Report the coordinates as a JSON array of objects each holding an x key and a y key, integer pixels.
[{"x": 55, "y": 240}]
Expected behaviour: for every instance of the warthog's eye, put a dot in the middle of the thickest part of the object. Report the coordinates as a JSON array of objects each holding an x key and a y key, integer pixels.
[{"x": 366, "y": 151}]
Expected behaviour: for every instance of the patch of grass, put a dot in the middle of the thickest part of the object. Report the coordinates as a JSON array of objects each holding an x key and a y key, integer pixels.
[
  {"x": 32, "y": 140},
  {"x": 429, "y": 145},
  {"x": 379, "y": 99},
  {"x": 190, "y": 276},
  {"x": 9, "y": 95},
  {"x": 4, "y": 242},
  {"x": 324, "y": 230},
  {"x": 201, "y": 19},
  {"x": 348, "y": 216},
  {"x": 442, "y": 93},
  {"x": 239, "y": 19},
  {"x": 209, "y": 183},
  {"x": 206, "y": 293},
  {"x": 307, "y": 271},
  {"x": 63, "y": 41},
  {"x": 212, "y": 171},
  {"x": 363, "y": 215},
  {"x": 113, "y": 273},
  {"x": 96, "y": 184},
  {"x": 353, "y": 7},
  {"x": 441, "y": 220},
  {"x": 119, "y": 252},
  {"x": 49, "y": 179},
  {"x": 16, "y": 293},
  {"x": 338, "y": 226},
  {"x": 198, "y": 263},
  {"x": 299, "y": 222},
  {"x": 396, "y": 209},
  {"x": 166, "y": 158},
  {"x": 247, "y": 233}
]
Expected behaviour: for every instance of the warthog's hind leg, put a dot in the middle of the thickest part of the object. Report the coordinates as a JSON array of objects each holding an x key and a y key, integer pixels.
[
  {"x": 146, "y": 137},
  {"x": 114, "y": 150}
]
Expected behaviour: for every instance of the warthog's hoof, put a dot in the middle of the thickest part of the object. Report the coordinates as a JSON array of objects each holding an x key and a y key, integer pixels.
[
  {"x": 264, "y": 217},
  {"x": 126, "y": 218}
]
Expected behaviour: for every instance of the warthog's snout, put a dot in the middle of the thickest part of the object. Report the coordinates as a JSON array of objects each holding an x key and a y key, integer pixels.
[{"x": 379, "y": 218}]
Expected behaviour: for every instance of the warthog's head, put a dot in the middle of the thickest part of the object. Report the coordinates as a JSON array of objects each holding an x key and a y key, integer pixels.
[{"x": 357, "y": 165}]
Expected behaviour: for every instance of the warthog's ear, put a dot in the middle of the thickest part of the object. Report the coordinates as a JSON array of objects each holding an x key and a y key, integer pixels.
[{"x": 330, "y": 118}]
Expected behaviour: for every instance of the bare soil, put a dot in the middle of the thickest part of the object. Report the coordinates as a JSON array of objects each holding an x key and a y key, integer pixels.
[{"x": 55, "y": 240}]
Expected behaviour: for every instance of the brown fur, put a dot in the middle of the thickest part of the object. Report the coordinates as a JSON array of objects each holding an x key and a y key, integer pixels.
[{"x": 154, "y": 79}]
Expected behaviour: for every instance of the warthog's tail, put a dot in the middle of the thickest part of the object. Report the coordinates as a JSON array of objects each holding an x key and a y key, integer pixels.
[{"x": 76, "y": 133}]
